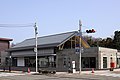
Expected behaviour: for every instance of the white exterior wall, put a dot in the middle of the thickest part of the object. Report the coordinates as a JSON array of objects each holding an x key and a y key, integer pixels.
[
  {"x": 20, "y": 62},
  {"x": 107, "y": 52}
]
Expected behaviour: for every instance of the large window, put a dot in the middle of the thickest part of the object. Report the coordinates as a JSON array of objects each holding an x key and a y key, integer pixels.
[
  {"x": 71, "y": 43},
  {"x": 45, "y": 61},
  {"x": 66, "y": 62},
  {"x": 48, "y": 61},
  {"x": 88, "y": 62},
  {"x": 52, "y": 61},
  {"x": 29, "y": 61}
]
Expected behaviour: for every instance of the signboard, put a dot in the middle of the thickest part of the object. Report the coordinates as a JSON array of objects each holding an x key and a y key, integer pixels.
[{"x": 77, "y": 50}]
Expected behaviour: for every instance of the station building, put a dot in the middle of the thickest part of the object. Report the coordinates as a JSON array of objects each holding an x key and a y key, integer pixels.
[{"x": 56, "y": 52}]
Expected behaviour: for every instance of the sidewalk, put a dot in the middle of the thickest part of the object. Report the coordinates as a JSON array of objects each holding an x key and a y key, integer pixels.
[
  {"x": 77, "y": 72},
  {"x": 90, "y": 72}
]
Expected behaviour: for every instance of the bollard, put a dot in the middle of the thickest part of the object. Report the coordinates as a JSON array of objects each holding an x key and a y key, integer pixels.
[
  {"x": 92, "y": 70},
  {"x": 28, "y": 70}
]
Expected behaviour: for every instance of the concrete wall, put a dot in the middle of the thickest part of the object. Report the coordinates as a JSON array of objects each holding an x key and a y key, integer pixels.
[
  {"x": 70, "y": 55},
  {"x": 90, "y": 52},
  {"x": 107, "y": 52}
]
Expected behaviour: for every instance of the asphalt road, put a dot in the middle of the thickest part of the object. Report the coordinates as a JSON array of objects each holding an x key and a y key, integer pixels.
[{"x": 59, "y": 77}]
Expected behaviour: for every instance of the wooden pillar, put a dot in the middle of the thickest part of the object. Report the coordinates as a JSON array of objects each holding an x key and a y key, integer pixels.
[
  {"x": 75, "y": 41},
  {"x": 71, "y": 43}
]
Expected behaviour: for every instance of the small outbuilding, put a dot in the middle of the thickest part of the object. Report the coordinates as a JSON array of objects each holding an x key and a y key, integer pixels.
[{"x": 4, "y": 45}]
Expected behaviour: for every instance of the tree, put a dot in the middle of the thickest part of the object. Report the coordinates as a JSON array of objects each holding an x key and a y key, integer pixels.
[
  {"x": 116, "y": 41},
  {"x": 102, "y": 43},
  {"x": 108, "y": 42},
  {"x": 93, "y": 42}
]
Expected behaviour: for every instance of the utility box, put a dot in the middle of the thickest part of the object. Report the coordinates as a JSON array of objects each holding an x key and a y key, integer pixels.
[{"x": 73, "y": 67}]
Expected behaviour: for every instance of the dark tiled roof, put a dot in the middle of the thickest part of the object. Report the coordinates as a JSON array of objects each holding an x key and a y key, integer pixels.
[{"x": 45, "y": 41}]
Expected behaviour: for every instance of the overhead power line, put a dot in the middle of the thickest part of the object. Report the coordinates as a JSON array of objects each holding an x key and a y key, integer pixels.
[{"x": 16, "y": 25}]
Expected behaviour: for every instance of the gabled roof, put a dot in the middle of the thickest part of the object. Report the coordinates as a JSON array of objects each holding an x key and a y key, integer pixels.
[{"x": 45, "y": 41}]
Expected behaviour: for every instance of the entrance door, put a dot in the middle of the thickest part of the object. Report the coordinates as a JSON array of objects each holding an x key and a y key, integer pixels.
[
  {"x": 104, "y": 62},
  {"x": 85, "y": 62},
  {"x": 92, "y": 62},
  {"x": 88, "y": 62}
]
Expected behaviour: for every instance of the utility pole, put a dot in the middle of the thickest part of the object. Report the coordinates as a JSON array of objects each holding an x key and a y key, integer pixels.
[
  {"x": 80, "y": 46},
  {"x": 35, "y": 49}
]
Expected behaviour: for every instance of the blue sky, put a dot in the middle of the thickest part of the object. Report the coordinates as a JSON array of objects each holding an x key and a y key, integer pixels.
[{"x": 57, "y": 16}]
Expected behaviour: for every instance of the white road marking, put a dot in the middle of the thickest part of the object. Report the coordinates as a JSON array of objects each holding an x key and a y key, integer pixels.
[
  {"x": 109, "y": 74},
  {"x": 9, "y": 74}
]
